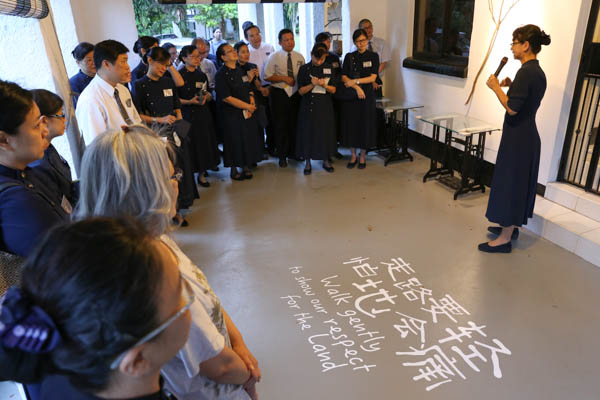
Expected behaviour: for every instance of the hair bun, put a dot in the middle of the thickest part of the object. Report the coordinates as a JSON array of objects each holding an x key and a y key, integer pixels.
[{"x": 544, "y": 38}]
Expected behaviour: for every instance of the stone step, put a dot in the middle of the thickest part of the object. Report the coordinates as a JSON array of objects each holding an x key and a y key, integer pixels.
[
  {"x": 567, "y": 228},
  {"x": 574, "y": 198}
]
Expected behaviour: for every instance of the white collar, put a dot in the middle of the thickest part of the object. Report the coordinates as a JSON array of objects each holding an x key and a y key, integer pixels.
[{"x": 102, "y": 84}]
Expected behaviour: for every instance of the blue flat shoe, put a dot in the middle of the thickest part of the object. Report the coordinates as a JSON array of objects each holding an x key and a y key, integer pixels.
[
  {"x": 497, "y": 229},
  {"x": 503, "y": 248}
]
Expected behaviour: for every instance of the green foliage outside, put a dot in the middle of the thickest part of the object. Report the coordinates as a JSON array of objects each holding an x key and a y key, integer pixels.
[
  {"x": 215, "y": 15},
  {"x": 152, "y": 18}
]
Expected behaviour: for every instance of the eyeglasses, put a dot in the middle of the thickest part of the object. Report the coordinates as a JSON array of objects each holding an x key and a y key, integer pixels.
[
  {"x": 177, "y": 175},
  {"x": 188, "y": 296},
  {"x": 362, "y": 41},
  {"x": 513, "y": 43},
  {"x": 57, "y": 116}
]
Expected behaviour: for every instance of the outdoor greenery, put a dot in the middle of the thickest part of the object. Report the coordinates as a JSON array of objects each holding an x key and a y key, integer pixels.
[
  {"x": 290, "y": 17},
  {"x": 215, "y": 15},
  {"x": 153, "y": 19}
]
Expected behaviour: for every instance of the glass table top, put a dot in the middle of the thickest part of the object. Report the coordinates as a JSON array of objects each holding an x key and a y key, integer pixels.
[
  {"x": 389, "y": 105},
  {"x": 459, "y": 123}
]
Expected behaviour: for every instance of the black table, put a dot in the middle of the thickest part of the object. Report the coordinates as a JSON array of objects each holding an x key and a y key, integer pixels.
[
  {"x": 468, "y": 132},
  {"x": 396, "y": 129}
]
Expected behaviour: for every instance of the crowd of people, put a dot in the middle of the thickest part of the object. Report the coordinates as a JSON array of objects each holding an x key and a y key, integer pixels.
[{"x": 109, "y": 306}]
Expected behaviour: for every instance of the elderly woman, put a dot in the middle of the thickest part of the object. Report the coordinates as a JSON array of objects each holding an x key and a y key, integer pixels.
[
  {"x": 129, "y": 173},
  {"x": 513, "y": 190},
  {"x": 26, "y": 214},
  {"x": 112, "y": 308}
]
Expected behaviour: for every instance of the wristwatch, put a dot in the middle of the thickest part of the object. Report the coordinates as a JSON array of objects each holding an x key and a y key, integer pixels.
[{"x": 357, "y": 82}]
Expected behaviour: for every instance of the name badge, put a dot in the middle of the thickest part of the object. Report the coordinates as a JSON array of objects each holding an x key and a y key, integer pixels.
[
  {"x": 336, "y": 65},
  {"x": 128, "y": 103},
  {"x": 299, "y": 63},
  {"x": 66, "y": 205},
  {"x": 327, "y": 71},
  {"x": 198, "y": 85},
  {"x": 367, "y": 64},
  {"x": 168, "y": 92},
  {"x": 245, "y": 79}
]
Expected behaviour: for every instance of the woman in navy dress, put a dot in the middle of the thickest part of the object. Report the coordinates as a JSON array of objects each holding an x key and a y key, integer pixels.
[
  {"x": 358, "y": 116},
  {"x": 236, "y": 109},
  {"x": 512, "y": 195},
  {"x": 84, "y": 57},
  {"x": 316, "y": 119},
  {"x": 195, "y": 96},
  {"x": 53, "y": 173},
  {"x": 141, "y": 47},
  {"x": 253, "y": 81},
  {"x": 156, "y": 99},
  {"x": 26, "y": 215}
]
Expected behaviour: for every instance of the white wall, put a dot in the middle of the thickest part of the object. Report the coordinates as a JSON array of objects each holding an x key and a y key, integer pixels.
[
  {"x": 564, "y": 21},
  {"x": 100, "y": 20}
]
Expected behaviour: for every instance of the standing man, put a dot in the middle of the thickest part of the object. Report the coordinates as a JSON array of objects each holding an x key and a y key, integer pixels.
[
  {"x": 379, "y": 46},
  {"x": 216, "y": 41},
  {"x": 282, "y": 71},
  {"x": 259, "y": 54},
  {"x": 105, "y": 103},
  {"x": 206, "y": 66}
]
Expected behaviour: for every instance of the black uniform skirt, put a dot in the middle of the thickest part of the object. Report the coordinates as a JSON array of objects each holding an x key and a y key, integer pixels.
[
  {"x": 514, "y": 185},
  {"x": 204, "y": 150},
  {"x": 240, "y": 139},
  {"x": 316, "y": 133},
  {"x": 359, "y": 121}
]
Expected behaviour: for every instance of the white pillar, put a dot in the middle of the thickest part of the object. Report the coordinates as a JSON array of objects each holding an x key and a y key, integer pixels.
[
  {"x": 246, "y": 12},
  {"x": 312, "y": 21},
  {"x": 273, "y": 20},
  {"x": 347, "y": 27}
]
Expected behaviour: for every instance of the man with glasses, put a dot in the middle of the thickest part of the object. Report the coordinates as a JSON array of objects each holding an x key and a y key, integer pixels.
[{"x": 206, "y": 65}]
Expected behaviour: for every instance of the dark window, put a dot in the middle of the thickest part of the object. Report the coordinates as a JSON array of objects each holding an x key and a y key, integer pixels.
[{"x": 442, "y": 37}]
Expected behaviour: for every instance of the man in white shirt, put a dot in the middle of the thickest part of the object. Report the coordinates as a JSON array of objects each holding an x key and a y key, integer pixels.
[
  {"x": 105, "y": 103},
  {"x": 206, "y": 66},
  {"x": 259, "y": 54},
  {"x": 282, "y": 71}
]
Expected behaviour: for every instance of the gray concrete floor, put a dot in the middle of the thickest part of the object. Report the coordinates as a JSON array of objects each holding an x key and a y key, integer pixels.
[{"x": 540, "y": 302}]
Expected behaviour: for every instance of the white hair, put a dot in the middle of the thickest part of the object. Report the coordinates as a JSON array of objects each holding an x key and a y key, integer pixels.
[{"x": 127, "y": 173}]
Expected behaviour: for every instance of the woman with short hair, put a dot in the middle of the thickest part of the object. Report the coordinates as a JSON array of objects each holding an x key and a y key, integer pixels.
[
  {"x": 84, "y": 57},
  {"x": 100, "y": 309},
  {"x": 129, "y": 173}
]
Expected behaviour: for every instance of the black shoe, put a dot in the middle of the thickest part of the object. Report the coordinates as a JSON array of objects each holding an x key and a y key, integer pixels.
[
  {"x": 503, "y": 248},
  {"x": 362, "y": 165},
  {"x": 496, "y": 230},
  {"x": 184, "y": 223},
  {"x": 328, "y": 168},
  {"x": 351, "y": 165},
  {"x": 203, "y": 184},
  {"x": 283, "y": 162},
  {"x": 254, "y": 165},
  {"x": 338, "y": 155},
  {"x": 307, "y": 171},
  {"x": 205, "y": 174},
  {"x": 246, "y": 174},
  {"x": 237, "y": 176}
]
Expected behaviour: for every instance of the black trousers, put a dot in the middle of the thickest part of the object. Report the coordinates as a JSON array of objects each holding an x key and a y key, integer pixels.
[
  {"x": 284, "y": 111},
  {"x": 270, "y": 140}
]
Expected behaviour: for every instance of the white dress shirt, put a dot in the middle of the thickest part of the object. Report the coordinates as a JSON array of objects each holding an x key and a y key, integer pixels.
[
  {"x": 380, "y": 47},
  {"x": 277, "y": 65},
  {"x": 97, "y": 110},
  {"x": 208, "y": 67},
  {"x": 259, "y": 57}
]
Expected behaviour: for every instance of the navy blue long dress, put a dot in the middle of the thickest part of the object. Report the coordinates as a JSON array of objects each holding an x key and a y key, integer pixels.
[
  {"x": 205, "y": 150},
  {"x": 315, "y": 135},
  {"x": 260, "y": 133},
  {"x": 358, "y": 117},
  {"x": 512, "y": 195},
  {"x": 158, "y": 99}
]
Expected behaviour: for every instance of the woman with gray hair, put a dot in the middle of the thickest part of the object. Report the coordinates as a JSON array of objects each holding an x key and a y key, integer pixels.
[{"x": 128, "y": 172}]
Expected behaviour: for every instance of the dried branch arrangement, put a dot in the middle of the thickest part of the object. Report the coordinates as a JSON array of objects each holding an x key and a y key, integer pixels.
[{"x": 498, "y": 22}]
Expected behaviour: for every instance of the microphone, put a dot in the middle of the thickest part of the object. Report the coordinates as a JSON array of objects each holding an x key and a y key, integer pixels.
[{"x": 502, "y": 64}]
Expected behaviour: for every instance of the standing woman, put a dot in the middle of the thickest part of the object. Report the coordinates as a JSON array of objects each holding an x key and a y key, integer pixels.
[
  {"x": 53, "y": 172},
  {"x": 316, "y": 119},
  {"x": 237, "y": 107},
  {"x": 84, "y": 57},
  {"x": 253, "y": 81},
  {"x": 25, "y": 214},
  {"x": 358, "y": 116},
  {"x": 141, "y": 47},
  {"x": 170, "y": 47},
  {"x": 155, "y": 97},
  {"x": 195, "y": 97},
  {"x": 512, "y": 195}
]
